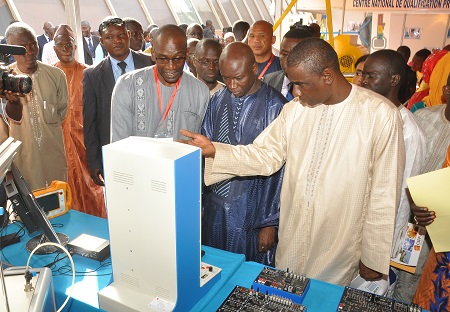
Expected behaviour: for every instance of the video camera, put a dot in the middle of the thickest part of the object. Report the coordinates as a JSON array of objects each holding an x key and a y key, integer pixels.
[
  {"x": 15, "y": 83},
  {"x": 300, "y": 25}
]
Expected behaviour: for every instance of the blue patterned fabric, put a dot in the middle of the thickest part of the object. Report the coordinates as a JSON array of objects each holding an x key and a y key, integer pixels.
[{"x": 235, "y": 210}]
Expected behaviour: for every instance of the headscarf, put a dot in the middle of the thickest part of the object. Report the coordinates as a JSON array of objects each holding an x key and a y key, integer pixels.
[{"x": 427, "y": 69}]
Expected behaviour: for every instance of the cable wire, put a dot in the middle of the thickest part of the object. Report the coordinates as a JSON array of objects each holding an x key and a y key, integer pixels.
[{"x": 71, "y": 261}]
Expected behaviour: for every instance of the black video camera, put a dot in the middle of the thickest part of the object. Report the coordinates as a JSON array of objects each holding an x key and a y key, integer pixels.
[
  {"x": 301, "y": 26},
  {"x": 15, "y": 83}
]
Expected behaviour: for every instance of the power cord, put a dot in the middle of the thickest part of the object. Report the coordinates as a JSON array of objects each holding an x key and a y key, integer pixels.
[{"x": 71, "y": 261}]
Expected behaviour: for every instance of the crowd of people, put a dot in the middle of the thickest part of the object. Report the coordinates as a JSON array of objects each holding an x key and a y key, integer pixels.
[{"x": 303, "y": 170}]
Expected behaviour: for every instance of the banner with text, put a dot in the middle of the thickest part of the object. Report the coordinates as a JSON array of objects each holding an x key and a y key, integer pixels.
[{"x": 437, "y": 5}]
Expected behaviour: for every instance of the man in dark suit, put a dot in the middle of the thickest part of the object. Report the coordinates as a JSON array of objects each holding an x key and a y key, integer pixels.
[
  {"x": 98, "y": 85},
  {"x": 278, "y": 79},
  {"x": 44, "y": 38},
  {"x": 90, "y": 43}
]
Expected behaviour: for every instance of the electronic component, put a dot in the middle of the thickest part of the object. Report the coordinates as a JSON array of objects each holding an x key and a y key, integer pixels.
[
  {"x": 282, "y": 283},
  {"x": 90, "y": 247},
  {"x": 31, "y": 214},
  {"x": 56, "y": 199},
  {"x": 208, "y": 272},
  {"x": 355, "y": 300},
  {"x": 27, "y": 290},
  {"x": 244, "y": 299}
]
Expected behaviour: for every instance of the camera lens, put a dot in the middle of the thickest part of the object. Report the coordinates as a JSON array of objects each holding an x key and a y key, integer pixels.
[{"x": 17, "y": 83}]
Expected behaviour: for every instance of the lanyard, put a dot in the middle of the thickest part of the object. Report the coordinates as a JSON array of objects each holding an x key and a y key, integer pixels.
[
  {"x": 172, "y": 97},
  {"x": 265, "y": 68}
]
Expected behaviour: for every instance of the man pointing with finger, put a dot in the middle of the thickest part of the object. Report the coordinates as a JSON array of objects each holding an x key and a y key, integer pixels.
[{"x": 343, "y": 151}]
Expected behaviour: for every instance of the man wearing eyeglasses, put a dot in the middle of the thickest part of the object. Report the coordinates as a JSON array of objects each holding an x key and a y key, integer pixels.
[
  {"x": 206, "y": 62},
  {"x": 98, "y": 85},
  {"x": 160, "y": 100},
  {"x": 35, "y": 118},
  {"x": 86, "y": 195},
  {"x": 241, "y": 214}
]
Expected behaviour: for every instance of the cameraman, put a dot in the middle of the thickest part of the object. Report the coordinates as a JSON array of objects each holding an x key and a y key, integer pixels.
[{"x": 36, "y": 121}]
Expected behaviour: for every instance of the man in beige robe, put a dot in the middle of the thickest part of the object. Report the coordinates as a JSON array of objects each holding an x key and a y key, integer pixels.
[
  {"x": 344, "y": 154},
  {"x": 36, "y": 118}
]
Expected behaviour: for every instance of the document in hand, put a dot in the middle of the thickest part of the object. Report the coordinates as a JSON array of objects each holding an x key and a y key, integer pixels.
[
  {"x": 432, "y": 190},
  {"x": 408, "y": 255}
]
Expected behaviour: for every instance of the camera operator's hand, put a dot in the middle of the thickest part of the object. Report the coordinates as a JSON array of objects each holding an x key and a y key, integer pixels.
[
  {"x": 12, "y": 96},
  {"x": 13, "y": 107}
]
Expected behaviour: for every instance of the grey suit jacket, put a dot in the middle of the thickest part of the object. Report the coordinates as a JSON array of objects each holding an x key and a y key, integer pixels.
[
  {"x": 275, "y": 80},
  {"x": 98, "y": 85}
]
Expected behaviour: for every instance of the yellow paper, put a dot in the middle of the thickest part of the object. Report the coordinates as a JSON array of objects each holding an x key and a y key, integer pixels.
[{"x": 432, "y": 190}]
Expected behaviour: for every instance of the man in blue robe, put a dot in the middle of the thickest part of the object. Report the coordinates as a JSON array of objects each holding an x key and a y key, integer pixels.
[{"x": 241, "y": 214}]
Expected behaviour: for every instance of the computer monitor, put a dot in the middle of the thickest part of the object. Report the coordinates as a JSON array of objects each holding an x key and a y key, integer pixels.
[{"x": 31, "y": 214}]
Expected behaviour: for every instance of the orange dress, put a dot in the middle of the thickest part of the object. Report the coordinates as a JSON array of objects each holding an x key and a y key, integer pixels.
[
  {"x": 434, "y": 286},
  {"x": 86, "y": 195}
]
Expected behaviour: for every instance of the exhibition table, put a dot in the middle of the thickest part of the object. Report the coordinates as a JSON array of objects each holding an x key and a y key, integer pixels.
[{"x": 92, "y": 275}]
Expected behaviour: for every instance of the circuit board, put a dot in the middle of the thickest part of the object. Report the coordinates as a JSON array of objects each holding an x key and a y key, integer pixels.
[
  {"x": 282, "y": 283},
  {"x": 355, "y": 300},
  {"x": 245, "y": 299}
]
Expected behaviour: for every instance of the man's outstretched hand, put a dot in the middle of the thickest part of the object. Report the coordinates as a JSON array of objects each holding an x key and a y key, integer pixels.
[{"x": 198, "y": 140}]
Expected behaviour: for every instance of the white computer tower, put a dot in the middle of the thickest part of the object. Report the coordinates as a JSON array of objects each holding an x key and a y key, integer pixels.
[{"x": 153, "y": 194}]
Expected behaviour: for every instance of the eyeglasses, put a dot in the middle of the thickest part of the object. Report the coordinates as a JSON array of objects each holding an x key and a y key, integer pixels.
[
  {"x": 67, "y": 46},
  {"x": 166, "y": 60},
  {"x": 112, "y": 21},
  {"x": 206, "y": 63}
]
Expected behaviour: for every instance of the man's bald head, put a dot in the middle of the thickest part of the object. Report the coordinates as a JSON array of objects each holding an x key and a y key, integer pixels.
[
  {"x": 169, "y": 33},
  {"x": 268, "y": 27},
  {"x": 207, "y": 44},
  {"x": 46, "y": 28},
  {"x": 239, "y": 69},
  {"x": 260, "y": 39},
  {"x": 47, "y": 25},
  {"x": 237, "y": 51}
]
